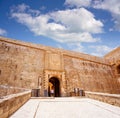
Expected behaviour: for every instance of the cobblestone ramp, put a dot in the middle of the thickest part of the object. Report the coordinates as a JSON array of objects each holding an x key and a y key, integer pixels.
[{"x": 67, "y": 108}]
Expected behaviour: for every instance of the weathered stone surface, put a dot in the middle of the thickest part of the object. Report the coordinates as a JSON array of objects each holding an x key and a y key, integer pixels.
[
  {"x": 7, "y": 90},
  {"x": 29, "y": 65},
  {"x": 113, "y": 56},
  {"x": 114, "y": 60},
  {"x": 89, "y": 75},
  {"x": 20, "y": 65},
  {"x": 113, "y": 99},
  {"x": 11, "y": 103}
]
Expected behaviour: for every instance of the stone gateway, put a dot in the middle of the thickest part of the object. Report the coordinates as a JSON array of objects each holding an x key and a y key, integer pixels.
[{"x": 34, "y": 66}]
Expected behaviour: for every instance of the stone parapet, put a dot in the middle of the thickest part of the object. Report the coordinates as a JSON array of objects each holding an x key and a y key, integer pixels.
[
  {"x": 8, "y": 90},
  {"x": 113, "y": 99},
  {"x": 13, "y": 102}
]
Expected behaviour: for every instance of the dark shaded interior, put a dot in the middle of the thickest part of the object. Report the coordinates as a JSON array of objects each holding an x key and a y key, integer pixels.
[
  {"x": 118, "y": 69},
  {"x": 56, "y": 85}
]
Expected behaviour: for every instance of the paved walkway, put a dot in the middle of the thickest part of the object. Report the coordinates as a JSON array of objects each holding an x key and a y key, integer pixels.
[{"x": 67, "y": 108}]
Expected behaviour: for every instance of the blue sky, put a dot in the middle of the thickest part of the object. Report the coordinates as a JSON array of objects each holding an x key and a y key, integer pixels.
[{"x": 87, "y": 26}]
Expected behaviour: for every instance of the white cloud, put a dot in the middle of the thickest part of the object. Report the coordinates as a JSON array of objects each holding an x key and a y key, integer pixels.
[
  {"x": 113, "y": 6},
  {"x": 24, "y": 8},
  {"x": 42, "y": 8},
  {"x": 111, "y": 29},
  {"x": 100, "y": 50},
  {"x": 59, "y": 46},
  {"x": 76, "y": 47},
  {"x": 3, "y": 32},
  {"x": 78, "y": 3},
  {"x": 78, "y": 20},
  {"x": 75, "y": 25}
]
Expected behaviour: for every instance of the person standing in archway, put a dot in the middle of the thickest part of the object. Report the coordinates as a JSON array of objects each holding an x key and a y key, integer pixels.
[{"x": 52, "y": 92}]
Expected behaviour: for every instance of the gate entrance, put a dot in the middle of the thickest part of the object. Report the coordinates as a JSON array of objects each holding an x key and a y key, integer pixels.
[{"x": 54, "y": 87}]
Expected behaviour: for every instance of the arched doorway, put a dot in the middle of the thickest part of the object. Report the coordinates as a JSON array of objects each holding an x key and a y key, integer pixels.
[
  {"x": 118, "y": 69},
  {"x": 55, "y": 85}
]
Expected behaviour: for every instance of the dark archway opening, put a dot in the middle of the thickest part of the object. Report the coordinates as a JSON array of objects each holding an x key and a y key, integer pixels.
[
  {"x": 118, "y": 69},
  {"x": 55, "y": 85}
]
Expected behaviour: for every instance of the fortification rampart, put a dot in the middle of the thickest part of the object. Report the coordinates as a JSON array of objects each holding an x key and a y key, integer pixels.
[{"x": 31, "y": 66}]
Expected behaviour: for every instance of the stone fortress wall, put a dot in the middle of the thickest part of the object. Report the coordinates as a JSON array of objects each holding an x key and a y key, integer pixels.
[
  {"x": 30, "y": 66},
  {"x": 114, "y": 60}
]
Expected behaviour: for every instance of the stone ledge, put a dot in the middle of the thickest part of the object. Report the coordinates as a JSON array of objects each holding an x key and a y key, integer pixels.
[
  {"x": 14, "y": 95},
  {"x": 6, "y": 90},
  {"x": 105, "y": 94},
  {"x": 113, "y": 99},
  {"x": 13, "y": 102}
]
